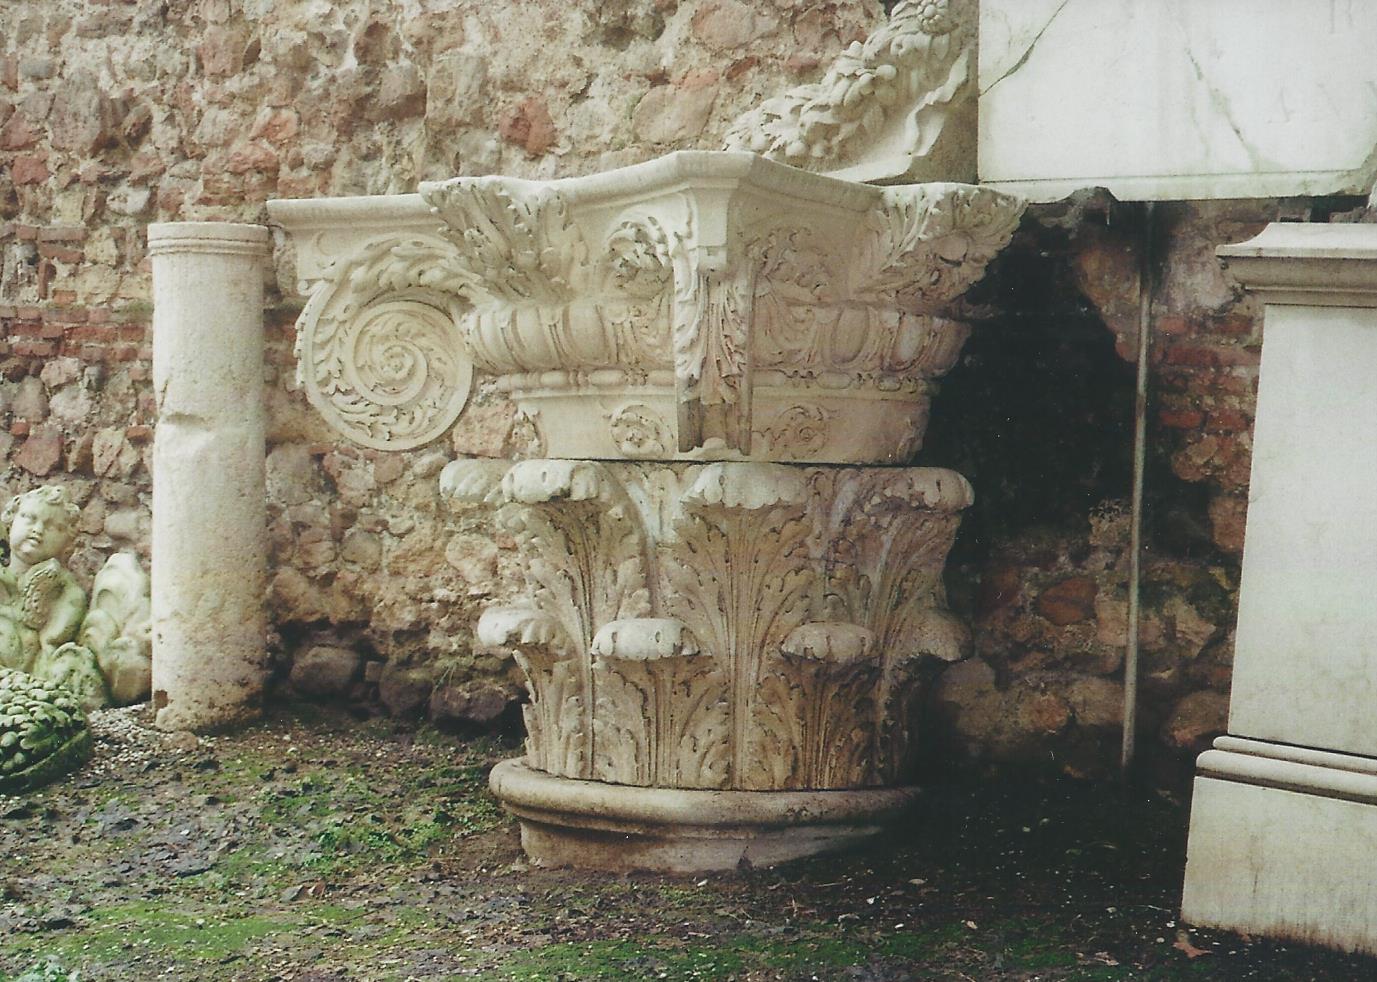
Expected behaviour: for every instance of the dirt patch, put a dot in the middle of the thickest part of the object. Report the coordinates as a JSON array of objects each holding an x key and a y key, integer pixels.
[{"x": 316, "y": 846}]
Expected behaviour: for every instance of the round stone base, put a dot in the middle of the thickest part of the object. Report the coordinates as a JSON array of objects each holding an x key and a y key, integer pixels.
[{"x": 593, "y": 825}]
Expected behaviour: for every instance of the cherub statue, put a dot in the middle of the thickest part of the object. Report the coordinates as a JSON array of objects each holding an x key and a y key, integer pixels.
[{"x": 45, "y": 628}]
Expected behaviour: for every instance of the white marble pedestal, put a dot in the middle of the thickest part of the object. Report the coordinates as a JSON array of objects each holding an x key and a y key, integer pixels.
[{"x": 1284, "y": 819}]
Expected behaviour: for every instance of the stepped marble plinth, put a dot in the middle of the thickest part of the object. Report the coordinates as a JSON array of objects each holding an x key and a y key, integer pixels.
[{"x": 1283, "y": 829}]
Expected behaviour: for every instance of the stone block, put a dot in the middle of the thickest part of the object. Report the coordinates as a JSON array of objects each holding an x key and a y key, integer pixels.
[
  {"x": 1068, "y": 602},
  {"x": 404, "y": 691},
  {"x": 1073, "y": 96},
  {"x": 325, "y": 671},
  {"x": 41, "y": 452}
]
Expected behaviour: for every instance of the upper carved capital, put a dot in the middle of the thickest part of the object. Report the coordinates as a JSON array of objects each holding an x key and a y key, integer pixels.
[
  {"x": 702, "y": 306},
  {"x": 897, "y": 106}
]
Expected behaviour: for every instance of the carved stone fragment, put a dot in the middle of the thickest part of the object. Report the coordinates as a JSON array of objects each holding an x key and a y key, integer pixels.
[
  {"x": 899, "y": 105},
  {"x": 702, "y": 306},
  {"x": 99, "y": 652},
  {"x": 724, "y": 643},
  {"x": 729, "y": 625}
]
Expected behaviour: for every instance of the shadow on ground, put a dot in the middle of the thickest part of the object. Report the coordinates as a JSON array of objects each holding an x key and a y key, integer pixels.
[{"x": 313, "y": 846}]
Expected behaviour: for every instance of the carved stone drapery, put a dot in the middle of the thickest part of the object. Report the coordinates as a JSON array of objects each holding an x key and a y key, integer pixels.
[{"x": 730, "y": 625}]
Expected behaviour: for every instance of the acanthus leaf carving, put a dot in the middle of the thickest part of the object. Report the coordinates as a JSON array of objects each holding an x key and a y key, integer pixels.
[
  {"x": 515, "y": 243},
  {"x": 662, "y": 718},
  {"x": 585, "y": 554},
  {"x": 713, "y": 301},
  {"x": 890, "y": 533},
  {"x": 929, "y": 243},
  {"x": 814, "y": 721},
  {"x": 738, "y": 573},
  {"x": 729, "y": 625},
  {"x": 556, "y": 739},
  {"x": 721, "y": 289}
]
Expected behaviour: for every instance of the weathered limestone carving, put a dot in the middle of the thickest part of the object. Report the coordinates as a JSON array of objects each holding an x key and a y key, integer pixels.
[
  {"x": 101, "y": 653},
  {"x": 725, "y": 313},
  {"x": 377, "y": 350},
  {"x": 118, "y": 628},
  {"x": 719, "y": 625},
  {"x": 43, "y": 732},
  {"x": 701, "y": 306},
  {"x": 897, "y": 106},
  {"x": 724, "y": 642}
]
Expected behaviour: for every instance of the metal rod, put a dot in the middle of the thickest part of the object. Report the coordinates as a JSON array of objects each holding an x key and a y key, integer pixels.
[{"x": 1135, "y": 564}]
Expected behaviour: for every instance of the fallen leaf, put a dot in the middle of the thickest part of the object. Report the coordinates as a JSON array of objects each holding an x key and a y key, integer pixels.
[{"x": 1183, "y": 944}]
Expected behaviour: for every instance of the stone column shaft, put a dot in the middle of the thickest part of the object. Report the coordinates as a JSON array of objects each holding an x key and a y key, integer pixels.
[{"x": 209, "y": 513}]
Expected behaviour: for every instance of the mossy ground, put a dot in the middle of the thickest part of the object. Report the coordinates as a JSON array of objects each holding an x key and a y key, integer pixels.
[{"x": 312, "y": 846}]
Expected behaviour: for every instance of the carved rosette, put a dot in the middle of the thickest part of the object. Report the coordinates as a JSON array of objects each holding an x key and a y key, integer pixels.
[
  {"x": 378, "y": 350},
  {"x": 722, "y": 626}
]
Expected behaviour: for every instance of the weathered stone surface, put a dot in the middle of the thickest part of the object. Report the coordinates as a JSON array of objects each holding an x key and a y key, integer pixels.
[
  {"x": 362, "y": 547},
  {"x": 474, "y": 556},
  {"x": 209, "y": 619},
  {"x": 41, "y": 452},
  {"x": 1068, "y": 602},
  {"x": 728, "y": 24},
  {"x": 529, "y": 126},
  {"x": 1196, "y": 720},
  {"x": 468, "y": 704},
  {"x": 292, "y": 476},
  {"x": 1096, "y": 701},
  {"x": 30, "y": 401},
  {"x": 675, "y": 113},
  {"x": 457, "y": 89},
  {"x": 325, "y": 671},
  {"x": 404, "y": 691}
]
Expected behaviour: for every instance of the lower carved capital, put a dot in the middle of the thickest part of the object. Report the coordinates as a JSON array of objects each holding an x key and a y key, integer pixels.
[{"x": 744, "y": 626}]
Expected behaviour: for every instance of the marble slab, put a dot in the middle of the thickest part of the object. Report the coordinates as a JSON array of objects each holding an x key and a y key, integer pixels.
[{"x": 1178, "y": 99}]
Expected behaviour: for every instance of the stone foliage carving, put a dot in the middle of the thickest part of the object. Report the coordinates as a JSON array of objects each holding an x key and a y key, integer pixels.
[
  {"x": 730, "y": 625},
  {"x": 378, "y": 353},
  {"x": 43, "y": 732},
  {"x": 100, "y": 652},
  {"x": 762, "y": 314},
  {"x": 880, "y": 111},
  {"x": 691, "y": 302}
]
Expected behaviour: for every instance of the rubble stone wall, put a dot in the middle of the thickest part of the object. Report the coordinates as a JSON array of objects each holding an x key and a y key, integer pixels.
[{"x": 118, "y": 113}]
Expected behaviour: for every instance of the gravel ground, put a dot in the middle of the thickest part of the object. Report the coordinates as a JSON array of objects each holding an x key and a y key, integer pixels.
[{"x": 318, "y": 846}]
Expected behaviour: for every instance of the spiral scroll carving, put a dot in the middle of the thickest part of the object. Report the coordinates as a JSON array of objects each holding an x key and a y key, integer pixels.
[{"x": 379, "y": 350}]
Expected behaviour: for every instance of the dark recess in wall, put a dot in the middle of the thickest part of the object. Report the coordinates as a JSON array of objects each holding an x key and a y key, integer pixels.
[{"x": 1038, "y": 412}]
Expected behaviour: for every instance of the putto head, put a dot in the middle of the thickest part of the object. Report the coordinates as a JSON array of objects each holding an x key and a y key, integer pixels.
[{"x": 41, "y": 523}]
